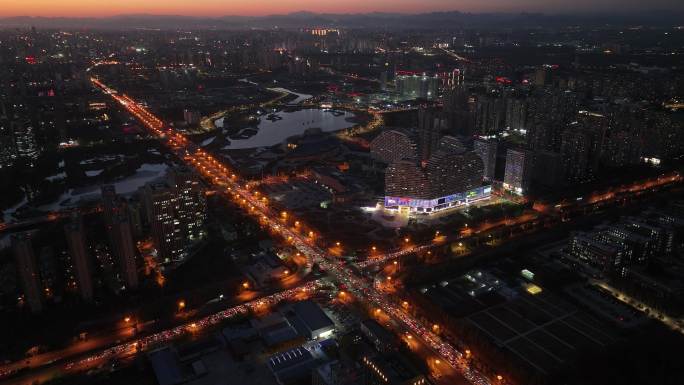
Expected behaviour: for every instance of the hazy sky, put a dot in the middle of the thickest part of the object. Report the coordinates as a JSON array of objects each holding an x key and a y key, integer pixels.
[{"x": 266, "y": 7}]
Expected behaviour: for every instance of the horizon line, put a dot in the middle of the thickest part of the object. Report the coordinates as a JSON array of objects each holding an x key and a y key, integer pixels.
[{"x": 398, "y": 13}]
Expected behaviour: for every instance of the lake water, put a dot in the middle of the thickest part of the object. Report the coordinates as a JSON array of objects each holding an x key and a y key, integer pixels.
[
  {"x": 147, "y": 172},
  {"x": 272, "y": 132},
  {"x": 300, "y": 97}
]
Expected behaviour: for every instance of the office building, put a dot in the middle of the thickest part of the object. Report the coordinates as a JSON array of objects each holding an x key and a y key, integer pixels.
[
  {"x": 621, "y": 148},
  {"x": 110, "y": 202},
  {"x": 25, "y": 142},
  {"x": 453, "y": 80},
  {"x": 383, "y": 80},
  {"x": 80, "y": 258},
  {"x": 51, "y": 273},
  {"x": 486, "y": 150},
  {"x": 490, "y": 114},
  {"x": 579, "y": 150},
  {"x": 450, "y": 173},
  {"x": 134, "y": 212},
  {"x": 541, "y": 76},
  {"x": 191, "y": 117},
  {"x": 416, "y": 85},
  {"x": 548, "y": 113},
  {"x": 518, "y": 171},
  {"x": 448, "y": 179},
  {"x": 451, "y": 145},
  {"x": 602, "y": 256},
  {"x": 160, "y": 205},
  {"x": 176, "y": 212},
  {"x": 459, "y": 110},
  {"x": 382, "y": 339},
  {"x": 661, "y": 236},
  {"x": 430, "y": 125},
  {"x": 516, "y": 113},
  {"x": 405, "y": 178},
  {"x": 120, "y": 230},
  {"x": 629, "y": 249},
  {"x": 548, "y": 169},
  {"x": 393, "y": 145},
  {"x": 8, "y": 151},
  {"x": 390, "y": 369},
  {"x": 123, "y": 249},
  {"x": 25, "y": 260},
  {"x": 191, "y": 205}
]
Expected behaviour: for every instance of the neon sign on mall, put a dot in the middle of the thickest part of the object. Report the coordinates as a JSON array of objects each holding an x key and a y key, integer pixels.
[{"x": 438, "y": 204}]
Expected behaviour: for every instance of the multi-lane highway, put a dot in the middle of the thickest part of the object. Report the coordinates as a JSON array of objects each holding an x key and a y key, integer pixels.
[
  {"x": 544, "y": 216},
  {"x": 59, "y": 365},
  {"x": 230, "y": 185}
]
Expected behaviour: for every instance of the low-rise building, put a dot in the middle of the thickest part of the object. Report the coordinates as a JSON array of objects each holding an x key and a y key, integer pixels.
[{"x": 383, "y": 340}]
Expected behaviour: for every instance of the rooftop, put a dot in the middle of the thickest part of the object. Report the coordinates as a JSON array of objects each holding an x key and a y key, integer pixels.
[
  {"x": 541, "y": 329},
  {"x": 312, "y": 315}
]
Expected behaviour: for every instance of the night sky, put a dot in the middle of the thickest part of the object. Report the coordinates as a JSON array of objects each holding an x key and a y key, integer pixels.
[{"x": 100, "y": 8}]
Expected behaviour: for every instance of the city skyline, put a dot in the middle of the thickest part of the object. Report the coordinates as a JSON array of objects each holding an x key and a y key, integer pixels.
[
  {"x": 410, "y": 197},
  {"x": 216, "y": 8}
]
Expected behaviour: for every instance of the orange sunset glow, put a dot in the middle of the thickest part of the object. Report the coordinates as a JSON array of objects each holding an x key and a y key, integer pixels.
[
  {"x": 72, "y": 8},
  {"x": 218, "y": 8}
]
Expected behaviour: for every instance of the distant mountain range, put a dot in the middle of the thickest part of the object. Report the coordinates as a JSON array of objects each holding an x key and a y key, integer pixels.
[{"x": 390, "y": 21}]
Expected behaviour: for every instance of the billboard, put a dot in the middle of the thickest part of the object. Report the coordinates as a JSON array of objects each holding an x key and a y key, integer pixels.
[
  {"x": 395, "y": 201},
  {"x": 439, "y": 203}
]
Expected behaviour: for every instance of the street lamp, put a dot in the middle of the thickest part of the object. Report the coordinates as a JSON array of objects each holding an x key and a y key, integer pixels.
[{"x": 181, "y": 305}]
